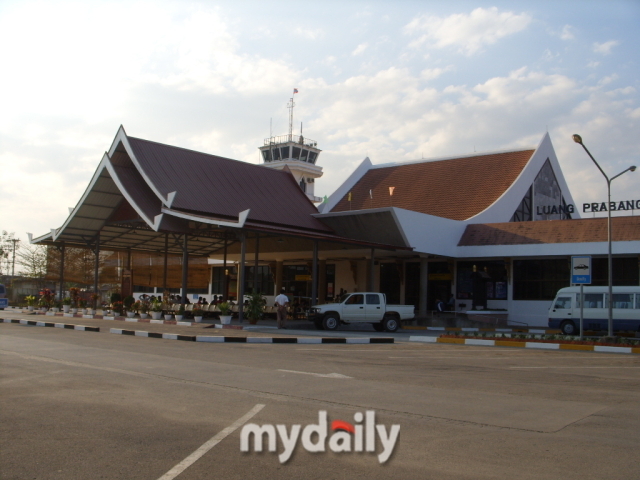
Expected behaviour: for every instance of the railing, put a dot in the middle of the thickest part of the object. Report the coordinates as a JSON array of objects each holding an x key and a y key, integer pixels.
[{"x": 299, "y": 139}]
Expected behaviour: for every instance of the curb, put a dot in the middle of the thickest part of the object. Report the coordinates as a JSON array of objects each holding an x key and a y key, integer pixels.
[
  {"x": 530, "y": 345},
  {"x": 476, "y": 329},
  {"x": 297, "y": 340},
  {"x": 68, "y": 326},
  {"x": 107, "y": 317}
]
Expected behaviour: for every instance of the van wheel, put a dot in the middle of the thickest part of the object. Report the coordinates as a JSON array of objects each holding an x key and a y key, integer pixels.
[
  {"x": 330, "y": 321},
  {"x": 568, "y": 328},
  {"x": 378, "y": 327},
  {"x": 390, "y": 324}
]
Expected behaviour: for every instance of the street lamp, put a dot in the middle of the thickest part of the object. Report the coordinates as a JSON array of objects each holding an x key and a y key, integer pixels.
[{"x": 578, "y": 139}]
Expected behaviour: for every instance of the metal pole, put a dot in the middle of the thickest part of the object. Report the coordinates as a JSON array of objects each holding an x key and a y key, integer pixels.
[
  {"x": 62, "y": 248},
  {"x": 581, "y": 310},
  {"x": 243, "y": 251},
  {"x": 609, "y": 260},
  {"x": 166, "y": 260},
  {"x": 185, "y": 269},
  {"x": 95, "y": 271},
  {"x": 371, "y": 270},
  {"x": 314, "y": 274},
  {"x": 13, "y": 262}
]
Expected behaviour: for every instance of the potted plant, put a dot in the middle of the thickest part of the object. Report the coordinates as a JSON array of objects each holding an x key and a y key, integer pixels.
[
  {"x": 128, "y": 306},
  {"x": 31, "y": 301},
  {"x": 168, "y": 308},
  {"x": 198, "y": 313},
  {"x": 74, "y": 293},
  {"x": 117, "y": 308},
  {"x": 156, "y": 310},
  {"x": 143, "y": 309},
  {"x": 180, "y": 314},
  {"x": 82, "y": 304},
  {"x": 255, "y": 307},
  {"x": 94, "y": 302},
  {"x": 56, "y": 306},
  {"x": 225, "y": 313},
  {"x": 66, "y": 304}
]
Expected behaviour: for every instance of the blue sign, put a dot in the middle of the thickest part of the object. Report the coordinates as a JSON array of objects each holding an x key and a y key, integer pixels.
[
  {"x": 4, "y": 302},
  {"x": 581, "y": 269}
]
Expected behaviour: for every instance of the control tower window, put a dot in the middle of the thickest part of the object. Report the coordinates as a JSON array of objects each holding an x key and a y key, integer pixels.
[
  {"x": 312, "y": 157},
  {"x": 303, "y": 185},
  {"x": 276, "y": 154},
  {"x": 266, "y": 154},
  {"x": 303, "y": 155},
  {"x": 296, "y": 153},
  {"x": 284, "y": 152}
]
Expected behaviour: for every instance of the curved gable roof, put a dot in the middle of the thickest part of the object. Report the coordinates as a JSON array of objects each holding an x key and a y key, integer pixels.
[
  {"x": 208, "y": 184},
  {"x": 457, "y": 188}
]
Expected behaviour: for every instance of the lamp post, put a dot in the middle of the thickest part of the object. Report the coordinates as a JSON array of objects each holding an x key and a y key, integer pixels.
[{"x": 578, "y": 139}]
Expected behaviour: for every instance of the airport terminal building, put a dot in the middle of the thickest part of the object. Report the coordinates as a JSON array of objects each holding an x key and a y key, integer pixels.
[{"x": 494, "y": 230}]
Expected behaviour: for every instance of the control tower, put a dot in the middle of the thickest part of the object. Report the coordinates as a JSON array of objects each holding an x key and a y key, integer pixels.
[{"x": 298, "y": 153}]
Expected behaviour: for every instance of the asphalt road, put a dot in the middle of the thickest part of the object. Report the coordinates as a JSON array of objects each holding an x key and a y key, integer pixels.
[{"x": 85, "y": 405}]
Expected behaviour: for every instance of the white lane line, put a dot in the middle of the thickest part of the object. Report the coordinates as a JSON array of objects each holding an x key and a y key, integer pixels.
[
  {"x": 560, "y": 366},
  {"x": 324, "y": 375},
  {"x": 191, "y": 459}
]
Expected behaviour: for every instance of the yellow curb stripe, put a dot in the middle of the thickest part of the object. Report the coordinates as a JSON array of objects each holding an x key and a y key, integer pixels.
[
  {"x": 568, "y": 346},
  {"x": 459, "y": 341},
  {"x": 506, "y": 343},
  {"x": 635, "y": 350}
]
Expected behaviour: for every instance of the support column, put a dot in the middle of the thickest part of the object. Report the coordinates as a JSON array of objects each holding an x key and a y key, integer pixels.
[
  {"x": 279, "y": 265},
  {"x": 243, "y": 252},
  {"x": 322, "y": 281},
  {"x": 225, "y": 287},
  {"x": 62, "y": 248},
  {"x": 95, "y": 271},
  {"x": 424, "y": 281},
  {"x": 185, "y": 269},
  {"x": 372, "y": 272},
  {"x": 255, "y": 265},
  {"x": 314, "y": 274},
  {"x": 166, "y": 260}
]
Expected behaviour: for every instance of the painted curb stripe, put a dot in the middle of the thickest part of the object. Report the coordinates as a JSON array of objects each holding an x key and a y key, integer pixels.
[
  {"x": 287, "y": 340},
  {"x": 66, "y": 326},
  {"x": 532, "y": 345}
]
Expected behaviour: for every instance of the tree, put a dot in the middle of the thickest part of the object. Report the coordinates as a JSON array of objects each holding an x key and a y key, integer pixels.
[
  {"x": 9, "y": 246},
  {"x": 33, "y": 262}
]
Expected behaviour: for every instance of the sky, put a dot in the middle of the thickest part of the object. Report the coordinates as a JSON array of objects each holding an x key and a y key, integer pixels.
[{"x": 392, "y": 81}]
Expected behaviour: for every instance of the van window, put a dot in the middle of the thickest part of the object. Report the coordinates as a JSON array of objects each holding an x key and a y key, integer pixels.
[
  {"x": 593, "y": 300},
  {"x": 2, "y": 290},
  {"x": 622, "y": 300},
  {"x": 638, "y": 301},
  {"x": 563, "y": 302}
]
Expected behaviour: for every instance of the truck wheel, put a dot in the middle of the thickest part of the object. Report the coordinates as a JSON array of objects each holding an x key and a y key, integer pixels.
[
  {"x": 318, "y": 324},
  {"x": 378, "y": 327},
  {"x": 568, "y": 328},
  {"x": 390, "y": 324},
  {"x": 330, "y": 321}
]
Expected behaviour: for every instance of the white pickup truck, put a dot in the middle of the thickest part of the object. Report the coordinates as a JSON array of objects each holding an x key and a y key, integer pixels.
[{"x": 361, "y": 308}]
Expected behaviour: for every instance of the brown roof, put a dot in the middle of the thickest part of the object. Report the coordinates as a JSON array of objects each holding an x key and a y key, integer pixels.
[
  {"x": 209, "y": 185},
  {"x": 624, "y": 229},
  {"x": 456, "y": 188}
]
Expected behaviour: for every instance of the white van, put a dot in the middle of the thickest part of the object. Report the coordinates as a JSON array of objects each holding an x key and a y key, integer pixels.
[{"x": 565, "y": 309}]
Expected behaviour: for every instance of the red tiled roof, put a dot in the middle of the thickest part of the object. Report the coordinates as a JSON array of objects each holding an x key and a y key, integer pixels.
[
  {"x": 456, "y": 188},
  {"x": 552, "y": 231}
]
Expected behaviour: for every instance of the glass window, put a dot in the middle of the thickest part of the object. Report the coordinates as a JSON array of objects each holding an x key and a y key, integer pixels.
[
  {"x": 373, "y": 299},
  {"x": 284, "y": 152},
  {"x": 496, "y": 279},
  {"x": 266, "y": 154},
  {"x": 356, "y": 299},
  {"x": 622, "y": 300},
  {"x": 563, "y": 302},
  {"x": 296, "y": 153},
  {"x": 638, "y": 300},
  {"x": 539, "y": 279},
  {"x": 303, "y": 155},
  {"x": 593, "y": 300},
  {"x": 276, "y": 154},
  {"x": 312, "y": 157}
]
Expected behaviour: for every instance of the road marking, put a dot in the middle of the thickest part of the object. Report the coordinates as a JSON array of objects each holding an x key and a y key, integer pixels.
[
  {"x": 191, "y": 459},
  {"x": 560, "y": 366},
  {"x": 324, "y": 375}
]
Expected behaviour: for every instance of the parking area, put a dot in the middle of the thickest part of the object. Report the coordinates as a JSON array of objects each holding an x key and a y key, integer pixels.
[{"x": 96, "y": 405}]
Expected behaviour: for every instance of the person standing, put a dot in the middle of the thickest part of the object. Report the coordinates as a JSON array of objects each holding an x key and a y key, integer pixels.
[{"x": 282, "y": 303}]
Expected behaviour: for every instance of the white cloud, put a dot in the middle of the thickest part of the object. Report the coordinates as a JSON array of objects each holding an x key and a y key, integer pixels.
[
  {"x": 359, "y": 49},
  {"x": 309, "y": 33},
  {"x": 468, "y": 32},
  {"x": 567, "y": 33},
  {"x": 605, "y": 48},
  {"x": 593, "y": 64}
]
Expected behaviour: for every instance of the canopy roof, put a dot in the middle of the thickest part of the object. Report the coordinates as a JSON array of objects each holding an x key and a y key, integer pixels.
[{"x": 145, "y": 195}]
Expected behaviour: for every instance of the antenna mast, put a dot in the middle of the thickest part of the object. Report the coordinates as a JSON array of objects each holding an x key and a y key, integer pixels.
[{"x": 290, "y": 107}]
